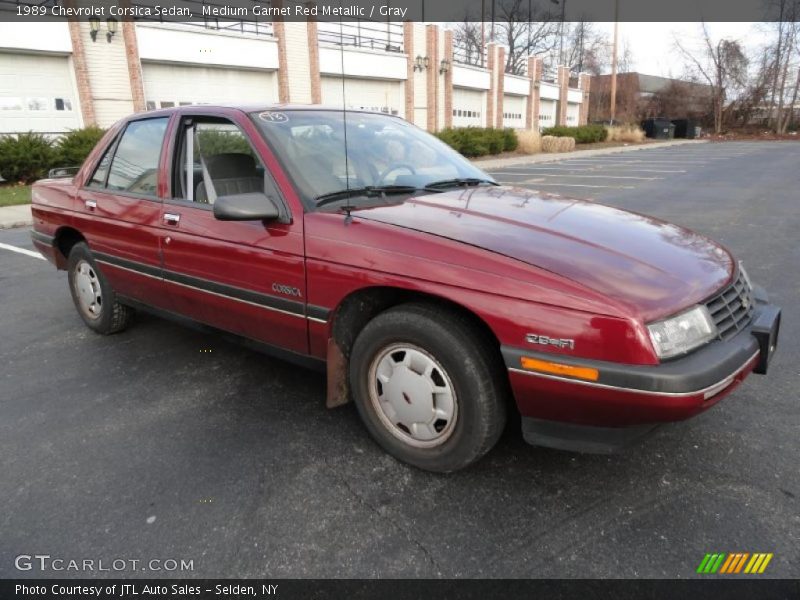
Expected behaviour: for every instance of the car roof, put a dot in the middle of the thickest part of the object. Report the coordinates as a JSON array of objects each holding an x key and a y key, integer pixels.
[{"x": 249, "y": 108}]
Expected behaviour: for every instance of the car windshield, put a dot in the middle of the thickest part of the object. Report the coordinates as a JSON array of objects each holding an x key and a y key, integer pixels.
[{"x": 384, "y": 155}]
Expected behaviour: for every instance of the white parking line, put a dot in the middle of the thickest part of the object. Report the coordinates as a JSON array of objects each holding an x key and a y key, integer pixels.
[
  {"x": 584, "y": 176},
  {"x": 22, "y": 251},
  {"x": 536, "y": 182},
  {"x": 538, "y": 169},
  {"x": 666, "y": 163}
]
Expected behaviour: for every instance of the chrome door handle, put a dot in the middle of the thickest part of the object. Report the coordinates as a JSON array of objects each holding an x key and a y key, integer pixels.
[
  {"x": 90, "y": 204},
  {"x": 172, "y": 218}
]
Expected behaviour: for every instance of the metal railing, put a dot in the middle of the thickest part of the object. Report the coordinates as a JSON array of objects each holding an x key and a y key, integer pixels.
[
  {"x": 232, "y": 24},
  {"x": 375, "y": 35}
]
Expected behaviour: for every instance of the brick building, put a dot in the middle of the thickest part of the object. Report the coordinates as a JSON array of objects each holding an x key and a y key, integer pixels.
[
  {"x": 641, "y": 96},
  {"x": 56, "y": 76}
]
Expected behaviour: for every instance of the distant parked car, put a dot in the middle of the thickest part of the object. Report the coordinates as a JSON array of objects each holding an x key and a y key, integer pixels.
[{"x": 432, "y": 296}]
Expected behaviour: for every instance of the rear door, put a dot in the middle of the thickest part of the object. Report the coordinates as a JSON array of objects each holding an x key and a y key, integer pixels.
[
  {"x": 119, "y": 210},
  {"x": 244, "y": 277}
]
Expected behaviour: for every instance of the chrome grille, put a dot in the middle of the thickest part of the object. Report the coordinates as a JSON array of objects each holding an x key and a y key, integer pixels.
[{"x": 732, "y": 309}]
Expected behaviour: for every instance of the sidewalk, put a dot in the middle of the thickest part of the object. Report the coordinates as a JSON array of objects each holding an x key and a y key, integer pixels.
[
  {"x": 15, "y": 216},
  {"x": 499, "y": 163}
]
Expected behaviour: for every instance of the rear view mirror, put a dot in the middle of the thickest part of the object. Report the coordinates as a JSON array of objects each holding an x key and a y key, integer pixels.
[{"x": 253, "y": 206}]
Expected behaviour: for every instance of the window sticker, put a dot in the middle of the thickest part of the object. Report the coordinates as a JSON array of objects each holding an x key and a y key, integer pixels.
[{"x": 274, "y": 117}]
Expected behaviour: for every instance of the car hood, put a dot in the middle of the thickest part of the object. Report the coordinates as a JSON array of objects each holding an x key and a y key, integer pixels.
[{"x": 654, "y": 267}]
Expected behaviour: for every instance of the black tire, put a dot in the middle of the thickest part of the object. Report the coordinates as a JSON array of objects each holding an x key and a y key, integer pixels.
[
  {"x": 107, "y": 315},
  {"x": 471, "y": 367}
]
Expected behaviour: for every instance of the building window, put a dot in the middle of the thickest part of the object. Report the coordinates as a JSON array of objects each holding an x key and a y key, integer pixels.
[
  {"x": 63, "y": 104},
  {"x": 10, "y": 104},
  {"x": 150, "y": 105},
  {"x": 37, "y": 103},
  {"x": 167, "y": 104}
]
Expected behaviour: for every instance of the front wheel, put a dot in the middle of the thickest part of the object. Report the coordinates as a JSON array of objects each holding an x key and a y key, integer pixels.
[
  {"x": 428, "y": 386},
  {"x": 92, "y": 294}
]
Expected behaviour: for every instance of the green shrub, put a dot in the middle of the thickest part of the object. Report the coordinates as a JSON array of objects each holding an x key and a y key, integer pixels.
[
  {"x": 584, "y": 134},
  {"x": 213, "y": 141},
  {"x": 25, "y": 157},
  {"x": 478, "y": 141},
  {"x": 510, "y": 140},
  {"x": 74, "y": 146}
]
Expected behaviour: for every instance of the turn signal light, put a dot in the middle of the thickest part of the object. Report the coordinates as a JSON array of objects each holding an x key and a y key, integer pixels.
[{"x": 544, "y": 366}]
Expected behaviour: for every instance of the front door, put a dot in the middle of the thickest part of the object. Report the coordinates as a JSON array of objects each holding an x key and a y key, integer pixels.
[{"x": 246, "y": 277}]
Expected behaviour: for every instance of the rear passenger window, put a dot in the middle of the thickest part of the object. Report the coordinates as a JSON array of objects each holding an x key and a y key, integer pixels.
[
  {"x": 98, "y": 180},
  {"x": 134, "y": 167}
]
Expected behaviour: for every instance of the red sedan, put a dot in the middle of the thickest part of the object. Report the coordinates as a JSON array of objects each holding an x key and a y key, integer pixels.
[{"x": 435, "y": 299}]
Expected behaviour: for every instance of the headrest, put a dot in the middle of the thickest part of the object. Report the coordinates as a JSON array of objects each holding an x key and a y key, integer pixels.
[{"x": 231, "y": 165}]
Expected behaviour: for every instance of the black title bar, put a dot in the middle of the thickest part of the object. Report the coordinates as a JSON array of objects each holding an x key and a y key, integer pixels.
[
  {"x": 448, "y": 11},
  {"x": 414, "y": 589}
]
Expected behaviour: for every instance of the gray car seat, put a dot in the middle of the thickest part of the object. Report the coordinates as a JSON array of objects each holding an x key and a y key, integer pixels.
[{"x": 232, "y": 173}]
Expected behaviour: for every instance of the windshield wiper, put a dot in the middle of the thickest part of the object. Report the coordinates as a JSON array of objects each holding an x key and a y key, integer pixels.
[
  {"x": 369, "y": 191},
  {"x": 461, "y": 181}
]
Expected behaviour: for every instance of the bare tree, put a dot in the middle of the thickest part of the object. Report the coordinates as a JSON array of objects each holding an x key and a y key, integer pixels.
[
  {"x": 468, "y": 42},
  {"x": 526, "y": 29},
  {"x": 723, "y": 65},
  {"x": 523, "y": 27},
  {"x": 754, "y": 98},
  {"x": 585, "y": 49},
  {"x": 781, "y": 51}
]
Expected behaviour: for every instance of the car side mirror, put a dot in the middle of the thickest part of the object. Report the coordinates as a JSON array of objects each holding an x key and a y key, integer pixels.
[{"x": 253, "y": 206}]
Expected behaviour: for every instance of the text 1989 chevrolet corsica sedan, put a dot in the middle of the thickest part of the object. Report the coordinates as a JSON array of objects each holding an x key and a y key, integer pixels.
[{"x": 434, "y": 298}]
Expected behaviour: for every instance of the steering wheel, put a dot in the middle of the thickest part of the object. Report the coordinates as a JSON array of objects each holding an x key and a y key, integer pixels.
[{"x": 382, "y": 177}]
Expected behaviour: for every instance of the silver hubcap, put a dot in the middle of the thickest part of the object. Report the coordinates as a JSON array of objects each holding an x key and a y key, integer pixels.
[
  {"x": 88, "y": 291},
  {"x": 413, "y": 396}
]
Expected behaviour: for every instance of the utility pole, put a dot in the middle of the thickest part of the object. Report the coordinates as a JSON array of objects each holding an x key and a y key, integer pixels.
[
  {"x": 483, "y": 31},
  {"x": 491, "y": 31},
  {"x": 614, "y": 64},
  {"x": 561, "y": 36}
]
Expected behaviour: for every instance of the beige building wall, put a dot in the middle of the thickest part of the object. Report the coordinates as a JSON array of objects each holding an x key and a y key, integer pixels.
[
  {"x": 297, "y": 58},
  {"x": 109, "y": 78},
  {"x": 420, "y": 78},
  {"x": 147, "y": 65}
]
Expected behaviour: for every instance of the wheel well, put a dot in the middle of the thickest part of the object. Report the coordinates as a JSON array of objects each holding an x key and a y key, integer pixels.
[
  {"x": 66, "y": 238},
  {"x": 360, "y": 307}
]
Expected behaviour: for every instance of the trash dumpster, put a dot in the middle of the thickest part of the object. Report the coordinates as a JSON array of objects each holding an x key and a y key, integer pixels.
[
  {"x": 684, "y": 128},
  {"x": 659, "y": 128}
]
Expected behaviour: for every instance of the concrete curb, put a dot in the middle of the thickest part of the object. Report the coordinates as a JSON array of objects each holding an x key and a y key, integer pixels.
[
  {"x": 499, "y": 163},
  {"x": 15, "y": 216}
]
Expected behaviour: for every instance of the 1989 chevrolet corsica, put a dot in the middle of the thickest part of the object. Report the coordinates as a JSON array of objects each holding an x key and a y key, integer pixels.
[{"x": 432, "y": 296}]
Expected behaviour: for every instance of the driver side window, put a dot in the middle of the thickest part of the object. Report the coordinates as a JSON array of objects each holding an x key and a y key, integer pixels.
[{"x": 216, "y": 159}]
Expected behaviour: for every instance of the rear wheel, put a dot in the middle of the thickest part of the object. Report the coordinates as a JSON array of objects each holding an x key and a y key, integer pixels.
[
  {"x": 92, "y": 294},
  {"x": 428, "y": 387}
]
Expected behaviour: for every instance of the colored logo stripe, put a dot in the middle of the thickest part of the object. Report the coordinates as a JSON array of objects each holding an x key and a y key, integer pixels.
[{"x": 734, "y": 563}]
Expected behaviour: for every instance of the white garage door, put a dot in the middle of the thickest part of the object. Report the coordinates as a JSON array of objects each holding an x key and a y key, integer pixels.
[
  {"x": 174, "y": 85},
  {"x": 514, "y": 111},
  {"x": 37, "y": 94},
  {"x": 468, "y": 107},
  {"x": 547, "y": 114},
  {"x": 382, "y": 95},
  {"x": 573, "y": 114}
]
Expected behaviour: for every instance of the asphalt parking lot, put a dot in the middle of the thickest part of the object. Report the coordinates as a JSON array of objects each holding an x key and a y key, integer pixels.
[{"x": 166, "y": 443}]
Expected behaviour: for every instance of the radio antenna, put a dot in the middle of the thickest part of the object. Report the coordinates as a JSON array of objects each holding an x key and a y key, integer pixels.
[{"x": 347, "y": 207}]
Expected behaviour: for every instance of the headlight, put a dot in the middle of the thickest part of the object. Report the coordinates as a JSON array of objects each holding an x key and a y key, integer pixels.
[{"x": 682, "y": 333}]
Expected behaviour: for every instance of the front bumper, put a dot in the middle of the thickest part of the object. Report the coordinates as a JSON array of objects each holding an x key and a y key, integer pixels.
[{"x": 628, "y": 401}]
